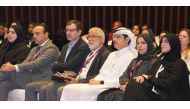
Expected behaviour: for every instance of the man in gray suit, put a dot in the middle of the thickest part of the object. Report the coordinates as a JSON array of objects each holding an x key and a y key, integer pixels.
[{"x": 36, "y": 67}]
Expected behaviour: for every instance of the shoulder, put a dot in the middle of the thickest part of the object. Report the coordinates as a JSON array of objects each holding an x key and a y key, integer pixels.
[{"x": 105, "y": 50}]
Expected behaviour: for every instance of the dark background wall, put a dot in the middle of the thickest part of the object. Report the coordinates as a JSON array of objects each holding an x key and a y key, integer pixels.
[{"x": 158, "y": 17}]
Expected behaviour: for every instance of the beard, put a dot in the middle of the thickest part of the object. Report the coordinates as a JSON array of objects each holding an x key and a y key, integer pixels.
[{"x": 94, "y": 46}]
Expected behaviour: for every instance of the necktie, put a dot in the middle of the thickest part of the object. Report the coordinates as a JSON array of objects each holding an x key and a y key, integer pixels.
[{"x": 36, "y": 53}]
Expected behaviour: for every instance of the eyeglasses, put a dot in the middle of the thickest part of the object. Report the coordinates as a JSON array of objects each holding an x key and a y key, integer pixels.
[
  {"x": 70, "y": 30},
  {"x": 37, "y": 33},
  {"x": 91, "y": 36}
]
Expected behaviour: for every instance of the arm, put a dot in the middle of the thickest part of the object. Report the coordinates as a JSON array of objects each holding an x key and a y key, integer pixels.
[
  {"x": 49, "y": 55},
  {"x": 167, "y": 78},
  {"x": 74, "y": 63}
]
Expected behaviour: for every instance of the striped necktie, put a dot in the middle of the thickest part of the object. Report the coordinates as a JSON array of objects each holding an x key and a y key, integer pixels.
[{"x": 36, "y": 53}]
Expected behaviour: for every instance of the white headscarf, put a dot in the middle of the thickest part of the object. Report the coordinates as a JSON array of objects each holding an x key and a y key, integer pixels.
[{"x": 125, "y": 31}]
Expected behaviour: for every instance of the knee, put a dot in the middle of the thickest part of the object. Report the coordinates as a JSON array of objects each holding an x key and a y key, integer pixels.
[
  {"x": 29, "y": 86},
  {"x": 59, "y": 92}
]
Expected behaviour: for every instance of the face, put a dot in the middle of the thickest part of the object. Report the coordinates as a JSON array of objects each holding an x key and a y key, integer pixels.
[
  {"x": 141, "y": 46},
  {"x": 120, "y": 42},
  {"x": 72, "y": 33},
  {"x": 94, "y": 41},
  {"x": 162, "y": 34},
  {"x": 12, "y": 24},
  {"x": 39, "y": 35},
  {"x": 11, "y": 35},
  {"x": 30, "y": 28},
  {"x": 2, "y": 31},
  {"x": 145, "y": 32},
  {"x": 184, "y": 38},
  {"x": 165, "y": 46},
  {"x": 116, "y": 25},
  {"x": 144, "y": 27},
  {"x": 135, "y": 30}
]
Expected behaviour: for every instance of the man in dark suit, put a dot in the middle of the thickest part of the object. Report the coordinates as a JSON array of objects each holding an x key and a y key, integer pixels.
[
  {"x": 36, "y": 67},
  {"x": 90, "y": 68},
  {"x": 72, "y": 57}
]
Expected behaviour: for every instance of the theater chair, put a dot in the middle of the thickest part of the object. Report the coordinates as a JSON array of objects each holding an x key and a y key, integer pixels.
[{"x": 16, "y": 95}]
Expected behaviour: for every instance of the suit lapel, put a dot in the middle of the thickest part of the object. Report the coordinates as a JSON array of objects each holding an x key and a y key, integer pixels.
[
  {"x": 64, "y": 51},
  {"x": 96, "y": 58}
]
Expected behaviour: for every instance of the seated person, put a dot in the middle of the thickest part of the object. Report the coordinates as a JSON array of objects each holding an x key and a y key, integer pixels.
[
  {"x": 138, "y": 66},
  {"x": 15, "y": 49},
  {"x": 169, "y": 79},
  {"x": 90, "y": 68},
  {"x": 184, "y": 37},
  {"x": 36, "y": 67},
  {"x": 108, "y": 77}
]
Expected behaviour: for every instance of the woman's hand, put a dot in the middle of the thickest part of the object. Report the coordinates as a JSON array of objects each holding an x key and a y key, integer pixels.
[{"x": 139, "y": 79}]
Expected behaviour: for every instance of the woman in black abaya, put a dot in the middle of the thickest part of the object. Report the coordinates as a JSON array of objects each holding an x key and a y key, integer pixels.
[
  {"x": 169, "y": 80},
  {"x": 15, "y": 49}
]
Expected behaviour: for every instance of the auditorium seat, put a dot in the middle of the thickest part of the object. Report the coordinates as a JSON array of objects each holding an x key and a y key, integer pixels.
[{"x": 16, "y": 95}]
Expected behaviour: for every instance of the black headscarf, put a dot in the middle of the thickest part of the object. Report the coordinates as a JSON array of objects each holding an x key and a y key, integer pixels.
[
  {"x": 177, "y": 70},
  {"x": 20, "y": 35},
  {"x": 7, "y": 46},
  {"x": 174, "y": 42},
  {"x": 150, "y": 50}
]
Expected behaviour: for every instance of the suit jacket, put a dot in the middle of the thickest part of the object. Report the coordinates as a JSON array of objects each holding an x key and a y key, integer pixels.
[
  {"x": 96, "y": 64},
  {"x": 75, "y": 58},
  {"x": 40, "y": 68}
]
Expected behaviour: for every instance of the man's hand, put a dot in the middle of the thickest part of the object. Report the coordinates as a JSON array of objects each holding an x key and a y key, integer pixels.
[
  {"x": 70, "y": 75},
  {"x": 7, "y": 67},
  {"x": 94, "y": 82},
  {"x": 72, "y": 80}
]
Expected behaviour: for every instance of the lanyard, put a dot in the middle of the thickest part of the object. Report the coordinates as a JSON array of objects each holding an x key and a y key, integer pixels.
[
  {"x": 134, "y": 66},
  {"x": 89, "y": 58}
]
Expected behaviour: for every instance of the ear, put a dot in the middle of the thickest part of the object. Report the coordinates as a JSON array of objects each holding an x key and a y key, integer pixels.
[
  {"x": 46, "y": 34},
  {"x": 79, "y": 32}
]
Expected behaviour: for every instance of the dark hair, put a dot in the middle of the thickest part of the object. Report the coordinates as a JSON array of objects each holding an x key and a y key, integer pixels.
[
  {"x": 175, "y": 46},
  {"x": 3, "y": 24},
  {"x": 42, "y": 25},
  {"x": 76, "y": 22},
  {"x": 32, "y": 23}
]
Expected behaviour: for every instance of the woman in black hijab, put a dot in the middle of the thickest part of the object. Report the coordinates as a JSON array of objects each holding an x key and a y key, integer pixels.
[
  {"x": 15, "y": 49},
  {"x": 138, "y": 66},
  {"x": 169, "y": 80}
]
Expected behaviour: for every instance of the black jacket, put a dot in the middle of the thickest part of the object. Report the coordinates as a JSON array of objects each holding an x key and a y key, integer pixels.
[
  {"x": 96, "y": 64},
  {"x": 75, "y": 58}
]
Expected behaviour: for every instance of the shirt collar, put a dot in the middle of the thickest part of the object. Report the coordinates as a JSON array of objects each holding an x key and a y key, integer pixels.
[
  {"x": 122, "y": 51},
  {"x": 72, "y": 43},
  {"x": 44, "y": 43}
]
